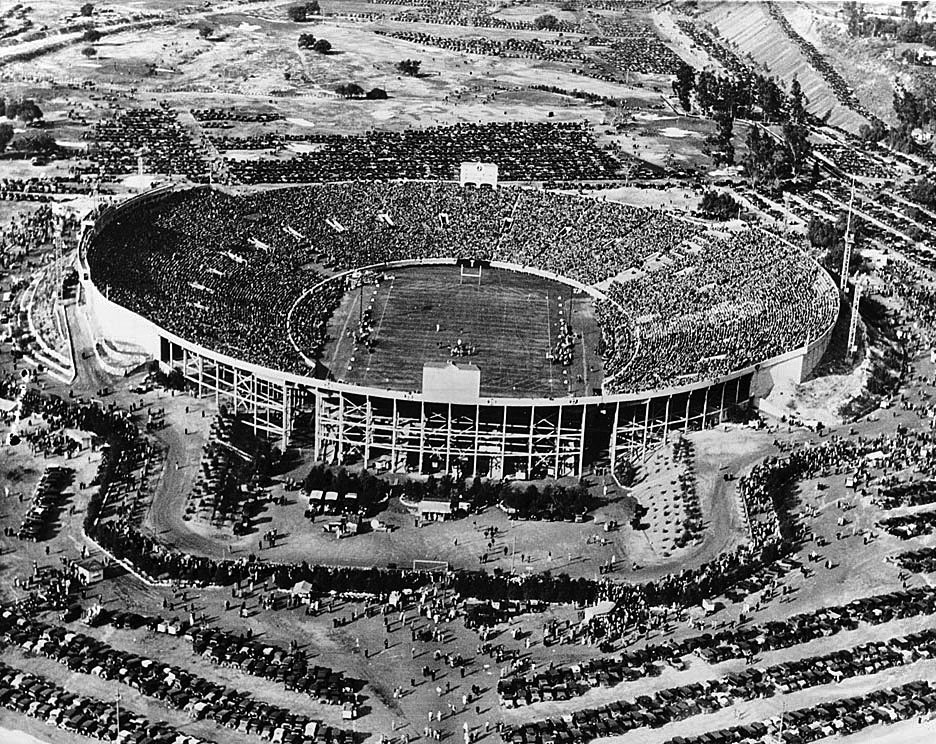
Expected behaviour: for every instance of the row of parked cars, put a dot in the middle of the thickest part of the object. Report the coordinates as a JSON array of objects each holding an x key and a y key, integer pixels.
[
  {"x": 908, "y": 526},
  {"x": 38, "y": 698},
  {"x": 706, "y": 697},
  {"x": 700, "y": 698},
  {"x": 264, "y": 659},
  {"x": 46, "y": 501},
  {"x": 747, "y": 641},
  {"x": 841, "y": 718},
  {"x": 175, "y": 687},
  {"x": 922, "y": 560},
  {"x": 290, "y": 667}
]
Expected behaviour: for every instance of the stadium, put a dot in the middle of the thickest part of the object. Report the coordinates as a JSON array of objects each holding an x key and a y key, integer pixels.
[{"x": 429, "y": 327}]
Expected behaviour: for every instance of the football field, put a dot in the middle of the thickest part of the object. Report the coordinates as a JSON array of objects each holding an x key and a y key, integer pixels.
[{"x": 511, "y": 320}]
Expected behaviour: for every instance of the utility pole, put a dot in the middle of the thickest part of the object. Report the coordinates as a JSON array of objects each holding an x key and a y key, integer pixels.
[
  {"x": 117, "y": 735},
  {"x": 853, "y": 321},
  {"x": 846, "y": 253}
]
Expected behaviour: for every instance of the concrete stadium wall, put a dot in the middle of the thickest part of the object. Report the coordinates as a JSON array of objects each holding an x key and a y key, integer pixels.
[{"x": 110, "y": 320}]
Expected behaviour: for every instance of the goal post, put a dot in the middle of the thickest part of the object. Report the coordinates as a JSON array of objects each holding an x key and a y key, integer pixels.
[
  {"x": 470, "y": 270},
  {"x": 431, "y": 566},
  {"x": 473, "y": 274}
]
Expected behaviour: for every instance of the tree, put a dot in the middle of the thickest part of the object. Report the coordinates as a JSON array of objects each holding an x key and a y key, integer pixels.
[
  {"x": 300, "y": 13},
  {"x": 719, "y": 144},
  {"x": 350, "y": 90},
  {"x": 770, "y": 98},
  {"x": 6, "y": 134},
  {"x": 909, "y": 32},
  {"x": 854, "y": 17},
  {"x": 376, "y": 94},
  {"x": 719, "y": 205},
  {"x": 205, "y": 31},
  {"x": 796, "y": 129},
  {"x": 87, "y": 9},
  {"x": 409, "y": 66},
  {"x": 40, "y": 143},
  {"x": 25, "y": 110},
  {"x": 306, "y": 41},
  {"x": 873, "y": 133},
  {"x": 89, "y": 51},
  {"x": 923, "y": 192},
  {"x": 766, "y": 162},
  {"x": 322, "y": 46},
  {"x": 683, "y": 84},
  {"x": 92, "y": 35},
  {"x": 822, "y": 233},
  {"x": 546, "y": 22}
]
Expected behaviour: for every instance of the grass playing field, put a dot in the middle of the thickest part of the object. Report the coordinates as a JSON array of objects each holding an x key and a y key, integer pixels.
[{"x": 512, "y": 319}]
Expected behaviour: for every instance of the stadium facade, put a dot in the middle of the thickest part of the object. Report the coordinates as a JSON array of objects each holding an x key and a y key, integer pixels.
[{"x": 430, "y": 432}]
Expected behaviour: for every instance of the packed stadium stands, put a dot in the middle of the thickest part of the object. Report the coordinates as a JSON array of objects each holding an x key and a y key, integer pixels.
[{"x": 224, "y": 270}]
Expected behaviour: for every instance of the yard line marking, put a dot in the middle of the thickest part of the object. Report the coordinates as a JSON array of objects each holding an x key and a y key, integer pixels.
[
  {"x": 344, "y": 331},
  {"x": 380, "y": 325},
  {"x": 549, "y": 342}
]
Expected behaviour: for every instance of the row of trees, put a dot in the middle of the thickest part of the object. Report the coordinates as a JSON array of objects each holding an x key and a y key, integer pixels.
[
  {"x": 916, "y": 116},
  {"x": 303, "y": 12},
  {"x": 370, "y": 489},
  {"x": 719, "y": 205},
  {"x": 750, "y": 96},
  {"x": 353, "y": 90},
  {"x": 554, "y": 502},
  {"x": 774, "y": 163},
  {"x": 904, "y": 28}
]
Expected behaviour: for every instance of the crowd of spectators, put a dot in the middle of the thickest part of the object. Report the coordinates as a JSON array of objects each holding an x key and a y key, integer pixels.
[
  {"x": 224, "y": 271},
  {"x": 701, "y": 315},
  {"x": 30, "y": 231}
]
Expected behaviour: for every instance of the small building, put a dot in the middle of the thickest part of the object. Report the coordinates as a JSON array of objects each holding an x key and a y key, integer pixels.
[
  {"x": 434, "y": 511},
  {"x": 90, "y": 570}
]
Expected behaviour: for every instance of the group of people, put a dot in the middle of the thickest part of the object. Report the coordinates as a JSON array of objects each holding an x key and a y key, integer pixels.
[
  {"x": 225, "y": 271},
  {"x": 747, "y": 297}
]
